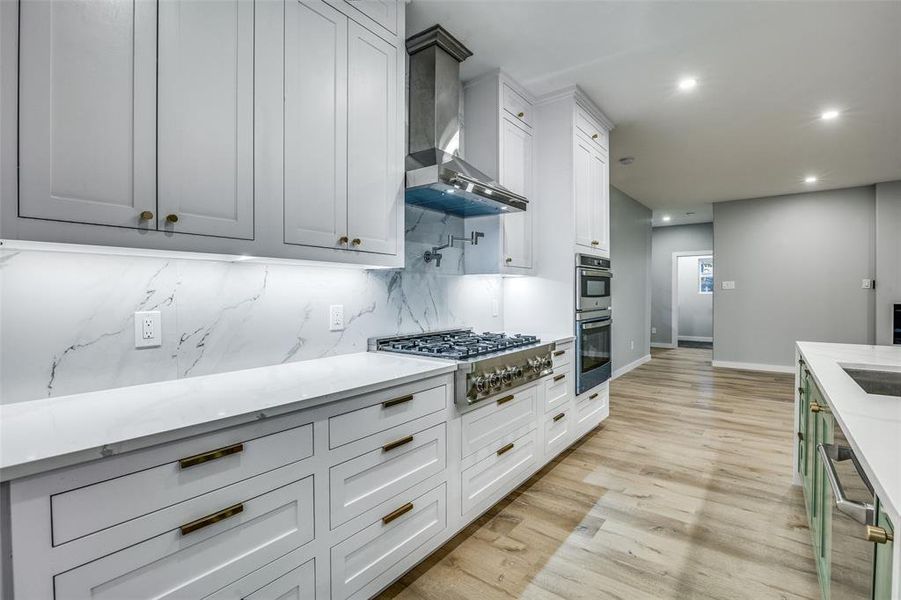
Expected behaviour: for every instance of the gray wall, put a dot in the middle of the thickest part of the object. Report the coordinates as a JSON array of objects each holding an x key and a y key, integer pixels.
[
  {"x": 797, "y": 262},
  {"x": 888, "y": 257},
  {"x": 695, "y": 309},
  {"x": 630, "y": 253},
  {"x": 666, "y": 240}
]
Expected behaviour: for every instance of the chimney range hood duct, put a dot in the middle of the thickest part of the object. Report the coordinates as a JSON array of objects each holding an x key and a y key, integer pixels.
[{"x": 438, "y": 179}]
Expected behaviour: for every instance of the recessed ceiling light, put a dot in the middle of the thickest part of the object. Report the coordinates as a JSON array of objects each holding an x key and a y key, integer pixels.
[
  {"x": 828, "y": 115},
  {"x": 666, "y": 217},
  {"x": 688, "y": 83},
  {"x": 627, "y": 160},
  {"x": 810, "y": 179}
]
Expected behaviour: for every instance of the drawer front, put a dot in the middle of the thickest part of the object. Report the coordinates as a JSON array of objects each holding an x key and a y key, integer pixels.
[
  {"x": 292, "y": 576},
  {"x": 357, "y": 424},
  {"x": 88, "y": 509},
  {"x": 200, "y": 561},
  {"x": 366, "y": 481},
  {"x": 517, "y": 106},
  {"x": 299, "y": 584},
  {"x": 558, "y": 390},
  {"x": 563, "y": 356},
  {"x": 590, "y": 410},
  {"x": 591, "y": 129},
  {"x": 363, "y": 562},
  {"x": 484, "y": 426},
  {"x": 558, "y": 430},
  {"x": 498, "y": 472}
]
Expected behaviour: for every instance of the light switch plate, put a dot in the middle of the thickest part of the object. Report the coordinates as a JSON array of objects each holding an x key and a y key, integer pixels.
[
  {"x": 867, "y": 284},
  {"x": 728, "y": 285},
  {"x": 148, "y": 329}
]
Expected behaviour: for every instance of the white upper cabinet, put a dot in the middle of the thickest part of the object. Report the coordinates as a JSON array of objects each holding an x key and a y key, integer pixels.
[
  {"x": 374, "y": 176},
  {"x": 516, "y": 175},
  {"x": 205, "y": 110},
  {"x": 87, "y": 111},
  {"x": 383, "y": 12},
  {"x": 591, "y": 184},
  {"x": 315, "y": 125}
]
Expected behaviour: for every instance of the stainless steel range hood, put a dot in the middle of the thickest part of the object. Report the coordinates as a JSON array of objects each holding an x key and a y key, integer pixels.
[{"x": 437, "y": 178}]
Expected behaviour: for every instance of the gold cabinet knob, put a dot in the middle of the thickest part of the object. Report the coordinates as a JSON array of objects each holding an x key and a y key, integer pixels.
[
  {"x": 146, "y": 215},
  {"x": 594, "y": 242},
  {"x": 815, "y": 408},
  {"x": 342, "y": 240},
  {"x": 878, "y": 535},
  {"x": 594, "y": 136},
  {"x": 520, "y": 114},
  {"x": 509, "y": 260},
  {"x": 356, "y": 242},
  {"x": 173, "y": 218}
]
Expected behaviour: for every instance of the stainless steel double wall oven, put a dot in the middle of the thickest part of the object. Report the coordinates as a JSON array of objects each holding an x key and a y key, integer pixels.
[{"x": 593, "y": 321}]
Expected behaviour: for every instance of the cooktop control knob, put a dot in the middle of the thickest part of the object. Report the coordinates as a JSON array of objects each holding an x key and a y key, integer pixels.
[
  {"x": 507, "y": 375},
  {"x": 494, "y": 380},
  {"x": 481, "y": 384},
  {"x": 547, "y": 363},
  {"x": 518, "y": 372}
]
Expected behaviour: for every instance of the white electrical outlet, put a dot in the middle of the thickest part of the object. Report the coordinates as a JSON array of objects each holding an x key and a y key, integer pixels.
[
  {"x": 336, "y": 317},
  {"x": 728, "y": 285},
  {"x": 867, "y": 284},
  {"x": 495, "y": 307},
  {"x": 148, "y": 329},
  {"x": 653, "y": 330},
  {"x": 632, "y": 345}
]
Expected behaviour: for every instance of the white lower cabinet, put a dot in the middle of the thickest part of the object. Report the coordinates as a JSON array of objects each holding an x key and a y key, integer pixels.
[
  {"x": 496, "y": 471},
  {"x": 558, "y": 430},
  {"x": 361, "y": 564},
  {"x": 199, "y": 557},
  {"x": 291, "y": 577},
  {"x": 591, "y": 408}
]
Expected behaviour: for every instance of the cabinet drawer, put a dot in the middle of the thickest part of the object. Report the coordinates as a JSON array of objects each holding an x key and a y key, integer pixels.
[
  {"x": 558, "y": 430},
  {"x": 484, "y": 426},
  {"x": 366, "y": 481},
  {"x": 289, "y": 577},
  {"x": 357, "y": 424},
  {"x": 299, "y": 584},
  {"x": 591, "y": 410},
  {"x": 87, "y": 509},
  {"x": 200, "y": 561},
  {"x": 364, "y": 561},
  {"x": 516, "y": 105},
  {"x": 594, "y": 132},
  {"x": 558, "y": 389},
  {"x": 563, "y": 355},
  {"x": 497, "y": 472}
]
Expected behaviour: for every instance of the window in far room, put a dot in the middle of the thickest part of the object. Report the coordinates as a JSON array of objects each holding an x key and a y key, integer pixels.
[{"x": 705, "y": 275}]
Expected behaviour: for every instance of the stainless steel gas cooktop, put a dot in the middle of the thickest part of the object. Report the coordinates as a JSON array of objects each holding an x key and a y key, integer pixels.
[{"x": 488, "y": 363}]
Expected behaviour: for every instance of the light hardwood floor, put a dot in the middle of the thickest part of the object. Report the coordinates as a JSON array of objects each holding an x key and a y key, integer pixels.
[{"x": 684, "y": 492}]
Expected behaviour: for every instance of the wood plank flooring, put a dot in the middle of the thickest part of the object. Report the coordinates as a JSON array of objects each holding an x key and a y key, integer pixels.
[{"x": 684, "y": 492}]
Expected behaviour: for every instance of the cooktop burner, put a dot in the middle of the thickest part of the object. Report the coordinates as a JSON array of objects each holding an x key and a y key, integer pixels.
[{"x": 457, "y": 344}]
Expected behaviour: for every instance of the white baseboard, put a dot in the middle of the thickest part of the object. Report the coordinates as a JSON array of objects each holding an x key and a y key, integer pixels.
[
  {"x": 728, "y": 364},
  {"x": 626, "y": 368},
  {"x": 662, "y": 345},
  {"x": 695, "y": 338}
]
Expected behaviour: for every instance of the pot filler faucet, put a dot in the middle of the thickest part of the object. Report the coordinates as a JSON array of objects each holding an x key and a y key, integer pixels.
[{"x": 435, "y": 252}]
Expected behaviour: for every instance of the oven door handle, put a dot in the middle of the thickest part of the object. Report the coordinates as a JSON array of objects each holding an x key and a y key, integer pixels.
[
  {"x": 589, "y": 272},
  {"x": 862, "y": 512},
  {"x": 605, "y": 323}
]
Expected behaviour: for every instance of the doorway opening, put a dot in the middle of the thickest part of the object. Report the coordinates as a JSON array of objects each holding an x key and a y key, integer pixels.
[{"x": 692, "y": 305}]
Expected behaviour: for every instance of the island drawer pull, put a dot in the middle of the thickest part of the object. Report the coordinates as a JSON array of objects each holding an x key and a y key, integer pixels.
[
  {"x": 559, "y": 377},
  {"x": 593, "y": 396},
  {"x": 558, "y": 417},
  {"x": 559, "y": 352},
  {"x": 505, "y": 399},
  {"x": 199, "y": 459},
  {"x": 800, "y": 390},
  {"x": 397, "y": 443},
  {"x": 210, "y": 519},
  {"x": 396, "y": 401},
  {"x": 504, "y": 449},
  {"x": 397, "y": 513}
]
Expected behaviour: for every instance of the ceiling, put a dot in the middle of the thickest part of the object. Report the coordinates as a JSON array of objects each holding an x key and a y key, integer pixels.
[{"x": 765, "y": 72}]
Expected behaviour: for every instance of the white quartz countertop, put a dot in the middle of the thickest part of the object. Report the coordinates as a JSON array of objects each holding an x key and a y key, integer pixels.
[
  {"x": 44, "y": 434},
  {"x": 871, "y": 422}
]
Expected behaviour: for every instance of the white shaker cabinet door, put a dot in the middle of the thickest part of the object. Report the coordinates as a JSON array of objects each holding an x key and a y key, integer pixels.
[
  {"x": 87, "y": 111},
  {"x": 383, "y": 12},
  {"x": 315, "y": 124},
  {"x": 584, "y": 188},
  {"x": 600, "y": 200},
  {"x": 516, "y": 175},
  {"x": 374, "y": 171},
  {"x": 206, "y": 117}
]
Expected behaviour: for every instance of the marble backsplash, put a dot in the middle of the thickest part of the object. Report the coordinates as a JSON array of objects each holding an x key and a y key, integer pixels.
[{"x": 67, "y": 324}]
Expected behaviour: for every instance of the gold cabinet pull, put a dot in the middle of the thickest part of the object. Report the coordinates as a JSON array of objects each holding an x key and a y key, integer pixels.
[
  {"x": 146, "y": 215},
  {"x": 558, "y": 417},
  {"x": 878, "y": 535},
  {"x": 173, "y": 218},
  {"x": 504, "y": 449},
  {"x": 593, "y": 396},
  {"x": 800, "y": 436},
  {"x": 210, "y": 519},
  {"x": 559, "y": 377},
  {"x": 508, "y": 260},
  {"x": 595, "y": 242},
  {"x": 594, "y": 136},
  {"x": 198, "y": 459},
  {"x": 520, "y": 114},
  {"x": 356, "y": 242},
  {"x": 505, "y": 399},
  {"x": 815, "y": 408},
  {"x": 396, "y": 401},
  {"x": 397, "y": 443},
  {"x": 342, "y": 240},
  {"x": 800, "y": 391},
  {"x": 397, "y": 513},
  {"x": 559, "y": 352}
]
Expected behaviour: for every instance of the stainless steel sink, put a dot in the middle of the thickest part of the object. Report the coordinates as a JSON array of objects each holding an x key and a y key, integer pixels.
[{"x": 886, "y": 383}]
